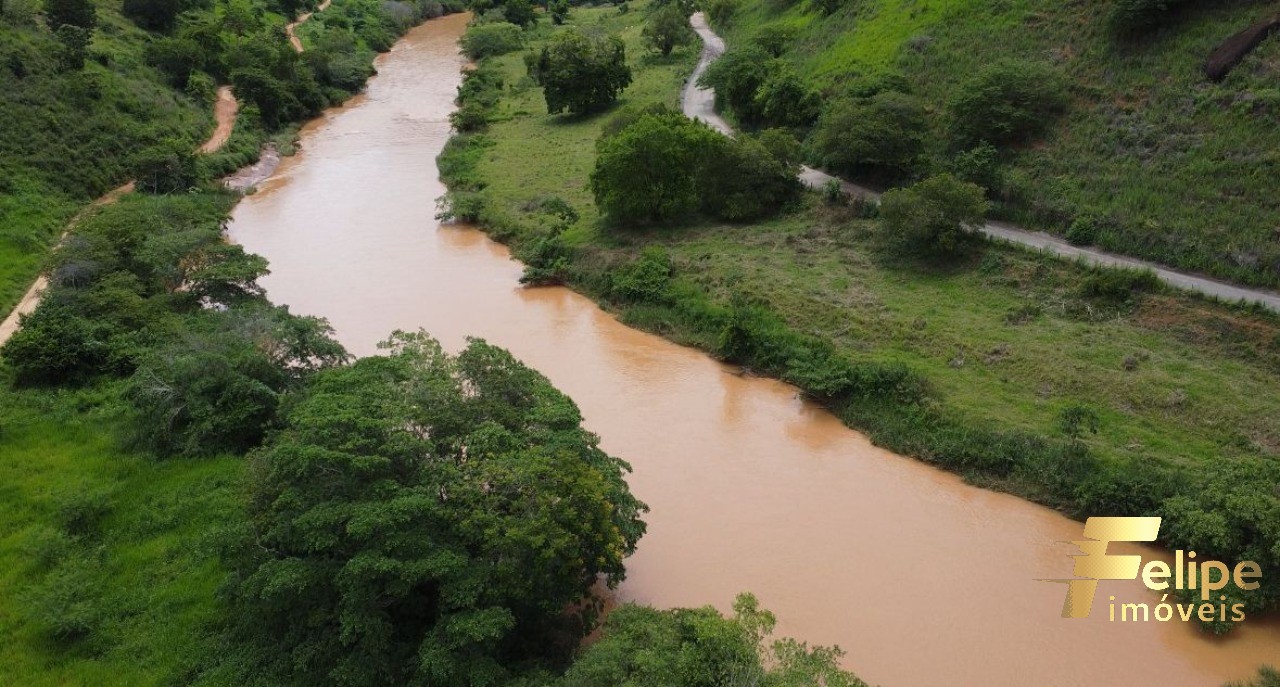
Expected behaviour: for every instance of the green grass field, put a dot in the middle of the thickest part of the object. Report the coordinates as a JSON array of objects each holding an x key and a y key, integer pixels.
[
  {"x": 1006, "y": 341},
  {"x": 1185, "y": 168},
  {"x": 108, "y": 559}
]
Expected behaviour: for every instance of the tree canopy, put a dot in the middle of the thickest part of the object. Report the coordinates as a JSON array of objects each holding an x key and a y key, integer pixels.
[
  {"x": 424, "y": 518},
  {"x": 581, "y": 73}
]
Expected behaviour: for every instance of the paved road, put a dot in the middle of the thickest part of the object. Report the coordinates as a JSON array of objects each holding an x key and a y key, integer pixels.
[{"x": 699, "y": 103}]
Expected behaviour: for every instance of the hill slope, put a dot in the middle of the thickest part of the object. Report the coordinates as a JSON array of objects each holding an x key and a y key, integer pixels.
[{"x": 1176, "y": 168}]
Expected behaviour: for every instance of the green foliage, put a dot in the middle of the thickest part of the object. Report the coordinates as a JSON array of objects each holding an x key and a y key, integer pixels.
[
  {"x": 775, "y": 39},
  {"x": 1267, "y": 677},
  {"x": 882, "y": 137},
  {"x": 158, "y": 15},
  {"x": 425, "y": 516},
  {"x": 1117, "y": 286},
  {"x": 979, "y": 165},
  {"x": 1136, "y": 15},
  {"x": 167, "y": 168},
  {"x": 519, "y": 12},
  {"x": 743, "y": 179},
  {"x": 1084, "y": 230},
  {"x": 496, "y": 38},
  {"x": 1006, "y": 102},
  {"x": 559, "y": 11},
  {"x": 692, "y": 647},
  {"x": 664, "y": 167},
  {"x": 218, "y": 389},
  {"x": 783, "y": 99},
  {"x": 1078, "y": 419},
  {"x": 668, "y": 28},
  {"x": 721, "y": 12},
  {"x": 581, "y": 73},
  {"x": 648, "y": 171},
  {"x": 477, "y": 98},
  {"x": 935, "y": 217},
  {"x": 75, "y": 46},
  {"x": 647, "y": 280},
  {"x": 78, "y": 13}
]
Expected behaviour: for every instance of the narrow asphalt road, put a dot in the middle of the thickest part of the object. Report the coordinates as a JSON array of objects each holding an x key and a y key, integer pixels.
[{"x": 699, "y": 103}]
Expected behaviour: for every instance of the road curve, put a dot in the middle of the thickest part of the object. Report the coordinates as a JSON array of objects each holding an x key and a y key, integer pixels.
[
  {"x": 699, "y": 103},
  {"x": 289, "y": 28}
]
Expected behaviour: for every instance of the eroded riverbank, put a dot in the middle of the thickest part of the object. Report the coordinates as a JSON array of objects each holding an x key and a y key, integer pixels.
[{"x": 921, "y": 578}]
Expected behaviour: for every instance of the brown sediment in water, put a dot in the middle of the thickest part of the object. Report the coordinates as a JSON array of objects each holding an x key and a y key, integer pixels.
[{"x": 922, "y": 579}]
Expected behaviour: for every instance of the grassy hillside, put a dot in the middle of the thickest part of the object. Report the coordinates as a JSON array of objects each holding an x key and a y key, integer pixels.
[{"x": 1179, "y": 170}]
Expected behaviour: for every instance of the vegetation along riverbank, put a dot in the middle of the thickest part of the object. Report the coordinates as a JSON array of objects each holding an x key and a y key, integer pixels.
[
  {"x": 1090, "y": 391},
  {"x": 202, "y": 488}
]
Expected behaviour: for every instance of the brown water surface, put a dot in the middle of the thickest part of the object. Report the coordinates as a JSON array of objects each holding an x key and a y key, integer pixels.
[{"x": 922, "y": 579}]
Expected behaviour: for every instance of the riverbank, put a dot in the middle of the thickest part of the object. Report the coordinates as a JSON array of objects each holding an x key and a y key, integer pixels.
[{"x": 1001, "y": 349}]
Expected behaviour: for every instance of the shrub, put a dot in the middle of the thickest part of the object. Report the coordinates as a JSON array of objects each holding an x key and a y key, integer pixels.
[
  {"x": 784, "y": 100},
  {"x": 668, "y": 28},
  {"x": 1118, "y": 285},
  {"x": 559, "y": 11},
  {"x": 775, "y": 39},
  {"x": 934, "y": 217},
  {"x": 1078, "y": 419},
  {"x": 176, "y": 58},
  {"x": 979, "y": 165},
  {"x": 157, "y": 15},
  {"x": 1083, "y": 231},
  {"x": 486, "y": 40},
  {"x": 741, "y": 179},
  {"x": 737, "y": 75},
  {"x": 882, "y": 137},
  {"x": 55, "y": 346},
  {"x": 166, "y": 168},
  {"x": 1006, "y": 102},
  {"x": 646, "y": 280},
  {"x": 519, "y": 12},
  {"x": 581, "y": 73},
  {"x": 647, "y": 172},
  {"x": 721, "y": 12},
  {"x": 1135, "y": 15},
  {"x": 79, "y": 13}
]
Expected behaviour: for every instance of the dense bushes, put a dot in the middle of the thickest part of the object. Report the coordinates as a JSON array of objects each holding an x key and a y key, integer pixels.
[
  {"x": 368, "y": 565},
  {"x": 935, "y": 217},
  {"x": 581, "y": 73},
  {"x": 149, "y": 288},
  {"x": 761, "y": 90},
  {"x": 493, "y": 38},
  {"x": 668, "y": 28},
  {"x": 692, "y": 647},
  {"x": 665, "y": 167},
  {"x": 882, "y": 137},
  {"x": 477, "y": 99},
  {"x": 1006, "y": 102}
]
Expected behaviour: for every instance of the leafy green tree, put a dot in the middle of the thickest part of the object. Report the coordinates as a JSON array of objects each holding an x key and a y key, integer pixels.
[
  {"x": 783, "y": 99},
  {"x": 648, "y": 171},
  {"x": 218, "y": 390},
  {"x": 519, "y": 12},
  {"x": 742, "y": 179},
  {"x": 582, "y": 73},
  {"x": 166, "y": 168},
  {"x": 668, "y": 28},
  {"x": 423, "y": 518},
  {"x": 935, "y": 217},
  {"x": 882, "y": 137},
  {"x": 78, "y": 13},
  {"x": 695, "y": 647},
  {"x": 56, "y": 345},
  {"x": 158, "y": 15},
  {"x": 1006, "y": 102},
  {"x": 559, "y": 11},
  {"x": 737, "y": 76}
]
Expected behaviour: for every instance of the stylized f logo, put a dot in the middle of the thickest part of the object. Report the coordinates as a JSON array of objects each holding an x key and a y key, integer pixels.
[{"x": 1094, "y": 564}]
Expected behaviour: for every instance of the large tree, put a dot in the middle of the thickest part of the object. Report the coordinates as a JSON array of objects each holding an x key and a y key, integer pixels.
[
  {"x": 667, "y": 28},
  {"x": 582, "y": 73},
  {"x": 424, "y": 518}
]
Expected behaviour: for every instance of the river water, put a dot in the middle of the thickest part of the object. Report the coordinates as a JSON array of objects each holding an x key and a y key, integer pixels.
[{"x": 922, "y": 579}]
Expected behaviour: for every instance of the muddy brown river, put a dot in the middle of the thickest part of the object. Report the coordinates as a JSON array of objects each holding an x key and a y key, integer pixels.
[{"x": 922, "y": 579}]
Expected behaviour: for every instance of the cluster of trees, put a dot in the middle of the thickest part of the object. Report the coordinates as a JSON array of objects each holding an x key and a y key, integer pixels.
[
  {"x": 148, "y": 291},
  {"x": 236, "y": 42},
  {"x": 659, "y": 166},
  {"x": 761, "y": 90},
  {"x": 73, "y": 23},
  {"x": 424, "y": 518}
]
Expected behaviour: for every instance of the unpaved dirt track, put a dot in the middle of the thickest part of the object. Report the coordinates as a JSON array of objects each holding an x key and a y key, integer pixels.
[
  {"x": 699, "y": 103},
  {"x": 293, "y": 38},
  {"x": 224, "y": 114}
]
